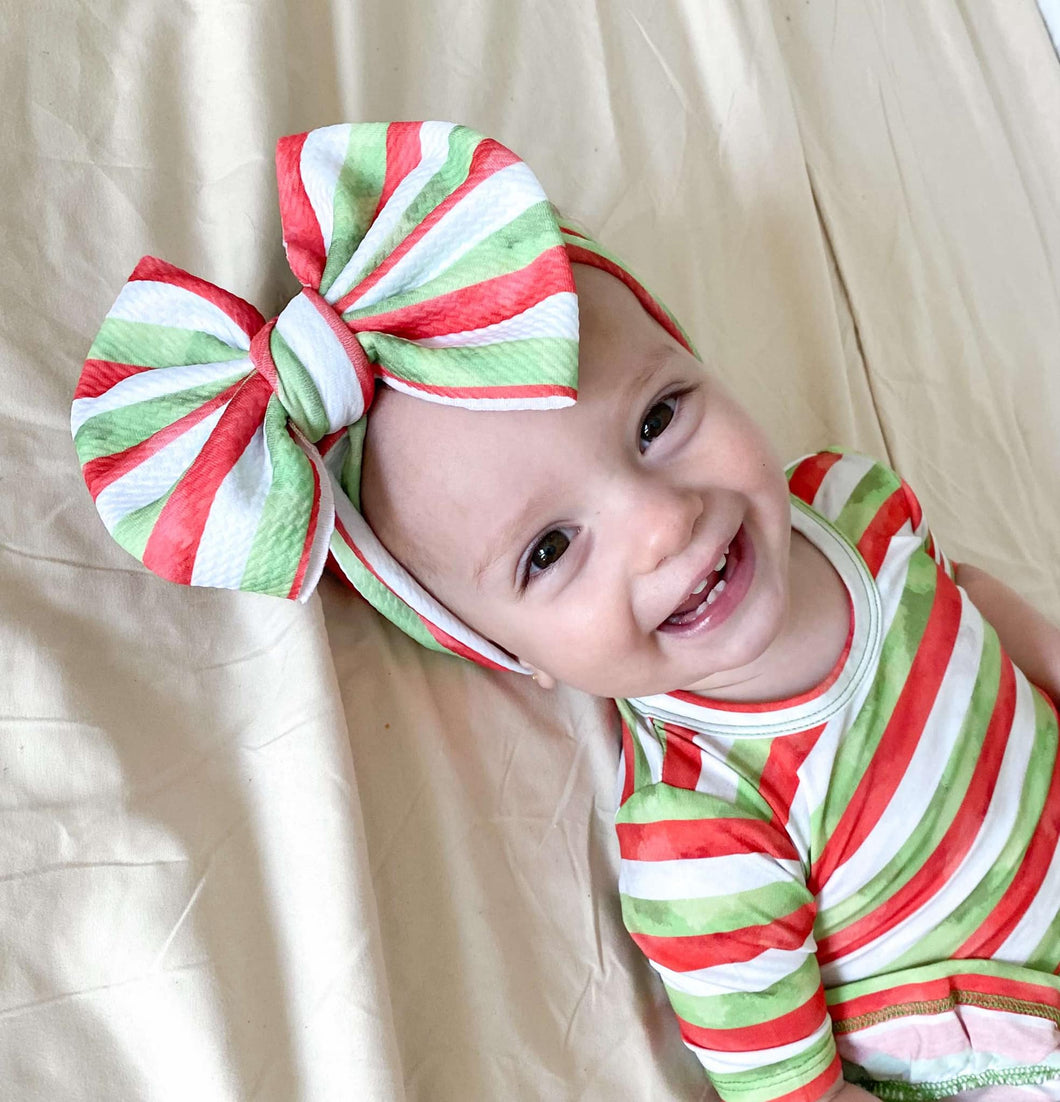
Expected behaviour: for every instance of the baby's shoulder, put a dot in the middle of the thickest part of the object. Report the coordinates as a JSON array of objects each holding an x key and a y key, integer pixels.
[{"x": 850, "y": 488}]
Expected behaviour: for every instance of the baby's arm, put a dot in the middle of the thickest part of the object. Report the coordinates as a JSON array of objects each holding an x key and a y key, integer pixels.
[{"x": 1028, "y": 638}]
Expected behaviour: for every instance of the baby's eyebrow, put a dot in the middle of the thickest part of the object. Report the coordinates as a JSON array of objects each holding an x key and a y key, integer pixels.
[{"x": 509, "y": 534}]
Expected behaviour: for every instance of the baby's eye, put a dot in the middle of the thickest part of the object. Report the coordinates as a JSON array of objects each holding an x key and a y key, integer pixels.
[
  {"x": 657, "y": 421},
  {"x": 546, "y": 551}
]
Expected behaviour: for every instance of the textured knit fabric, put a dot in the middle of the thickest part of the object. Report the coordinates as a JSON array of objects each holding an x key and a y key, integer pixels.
[
  {"x": 864, "y": 878},
  {"x": 224, "y": 450}
]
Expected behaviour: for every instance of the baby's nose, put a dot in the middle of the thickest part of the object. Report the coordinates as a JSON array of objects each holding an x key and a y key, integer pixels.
[{"x": 664, "y": 524}]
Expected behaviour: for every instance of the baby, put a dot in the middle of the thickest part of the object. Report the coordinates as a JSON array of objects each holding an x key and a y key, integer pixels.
[{"x": 840, "y": 795}]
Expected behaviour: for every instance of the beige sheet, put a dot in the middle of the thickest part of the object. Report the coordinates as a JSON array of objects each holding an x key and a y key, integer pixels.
[{"x": 254, "y": 851}]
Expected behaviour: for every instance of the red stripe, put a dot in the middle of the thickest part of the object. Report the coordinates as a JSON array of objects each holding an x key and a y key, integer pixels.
[
  {"x": 535, "y": 390},
  {"x": 692, "y": 951},
  {"x": 101, "y": 472},
  {"x": 489, "y": 157},
  {"x": 301, "y": 230},
  {"x": 796, "y": 1025},
  {"x": 674, "y": 839},
  {"x": 816, "y": 1088},
  {"x": 959, "y": 838},
  {"x": 946, "y": 987},
  {"x": 628, "y": 760},
  {"x": 311, "y": 530},
  {"x": 404, "y": 151},
  {"x": 916, "y": 514},
  {"x": 807, "y": 477},
  {"x": 682, "y": 758},
  {"x": 98, "y": 376},
  {"x": 577, "y": 254},
  {"x": 883, "y": 527},
  {"x": 174, "y": 541},
  {"x": 440, "y": 636},
  {"x": 779, "y": 779},
  {"x": 900, "y": 737},
  {"x": 239, "y": 310},
  {"x": 1004, "y": 917},
  {"x": 486, "y": 303}
]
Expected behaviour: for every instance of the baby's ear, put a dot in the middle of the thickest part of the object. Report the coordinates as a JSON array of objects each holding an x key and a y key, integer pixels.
[{"x": 544, "y": 680}]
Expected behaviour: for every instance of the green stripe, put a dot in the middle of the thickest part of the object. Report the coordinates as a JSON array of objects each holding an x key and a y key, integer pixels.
[
  {"x": 641, "y": 767},
  {"x": 356, "y": 196},
  {"x": 450, "y": 175},
  {"x": 714, "y": 914},
  {"x": 280, "y": 537},
  {"x": 145, "y": 345},
  {"x": 381, "y": 598},
  {"x": 298, "y": 392},
  {"x": 766, "y": 1083},
  {"x": 115, "y": 430},
  {"x": 949, "y": 793},
  {"x": 350, "y": 474},
  {"x": 861, "y": 741},
  {"x": 738, "y": 1009},
  {"x": 662, "y": 801},
  {"x": 866, "y": 500},
  {"x": 944, "y": 940},
  {"x": 134, "y": 529},
  {"x": 530, "y": 362},
  {"x": 747, "y": 758},
  {"x": 508, "y": 249}
]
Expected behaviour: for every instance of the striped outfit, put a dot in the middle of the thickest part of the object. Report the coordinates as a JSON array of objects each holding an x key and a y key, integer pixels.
[{"x": 864, "y": 879}]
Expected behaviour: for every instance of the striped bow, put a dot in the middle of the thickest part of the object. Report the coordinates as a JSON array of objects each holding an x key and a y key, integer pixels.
[{"x": 223, "y": 450}]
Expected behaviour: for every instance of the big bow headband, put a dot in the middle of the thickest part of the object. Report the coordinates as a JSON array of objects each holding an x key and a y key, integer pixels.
[{"x": 224, "y": 450}]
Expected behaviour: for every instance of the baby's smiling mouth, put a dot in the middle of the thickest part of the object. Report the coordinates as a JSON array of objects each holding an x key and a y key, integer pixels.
[{"x": 703, "y": 594}]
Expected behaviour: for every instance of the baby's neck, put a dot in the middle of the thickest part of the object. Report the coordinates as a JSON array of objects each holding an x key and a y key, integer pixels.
[{"x": 811, "y": 641}]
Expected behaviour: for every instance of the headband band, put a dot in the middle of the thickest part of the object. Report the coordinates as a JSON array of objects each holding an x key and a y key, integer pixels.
[{"x": 225, "y": 450}]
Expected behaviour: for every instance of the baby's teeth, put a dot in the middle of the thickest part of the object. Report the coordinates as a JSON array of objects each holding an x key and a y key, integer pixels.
[
  {"x": 720, "y": 564},
  {"x": 699, "y": 588},
  {"x": 715, "y": 593}
]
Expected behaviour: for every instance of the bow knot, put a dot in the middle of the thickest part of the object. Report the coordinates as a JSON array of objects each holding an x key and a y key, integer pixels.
[{"x": 315, "y": 365}]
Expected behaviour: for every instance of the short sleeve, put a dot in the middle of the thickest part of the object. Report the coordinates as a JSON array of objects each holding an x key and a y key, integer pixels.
[
  {"x": 715, "y": 896},
  {"x": 867, "y": 501}
]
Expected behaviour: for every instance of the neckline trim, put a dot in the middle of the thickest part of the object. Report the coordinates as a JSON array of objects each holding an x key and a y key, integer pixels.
[{"x": 816, "y": 706}]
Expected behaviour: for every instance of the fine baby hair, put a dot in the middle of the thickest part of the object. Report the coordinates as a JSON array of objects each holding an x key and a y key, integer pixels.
[{"x": 225, "y": 450}]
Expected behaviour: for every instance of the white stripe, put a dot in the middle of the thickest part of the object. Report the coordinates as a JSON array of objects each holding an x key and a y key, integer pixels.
[
  {"x": 547, "y": 401},
  {"x": 730, "y": 1062},
  {"x": 323, "y": 155},
  {"x": 434, "y": 151},
  {"x": 991, "y": 838},
  {"x": 157, "y": 303},
  {"x": 918, "y": 790},
  {"x": 145, "y": 385},
  {"x": 495, "y": 202},
  {"x": 716, "y": 776},
  {"x": 761, "y": 972},
  {"x": 555, "y": 316},
  {"x": 149, "y": 480},
  {"x": 327, "y": 363},
  {"x": 404, "y": 586},
  {"x": 704, "y": 877},
  {"x": 839, "y": 482},
  {"x": 325, "y": 527},
  {"x": 234, "y": 518}
]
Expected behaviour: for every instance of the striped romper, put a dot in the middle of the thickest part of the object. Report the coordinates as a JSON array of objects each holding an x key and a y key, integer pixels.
[{"x": 864, "y": 879}]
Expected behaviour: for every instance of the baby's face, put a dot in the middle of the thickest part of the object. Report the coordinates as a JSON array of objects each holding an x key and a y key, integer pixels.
[{"x": 575, "y": 538}]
